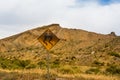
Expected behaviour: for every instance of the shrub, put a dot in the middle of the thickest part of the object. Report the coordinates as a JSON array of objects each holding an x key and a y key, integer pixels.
[
  {"x": 73, "y": 58},
  {"x": 113, "y": 69},
  {"x": 114, "y": 54},
  {"x": 8, "y": 64},
  {"x": 24, "y": 63},
  {"x": 41, "y": 64},
  {"x": 67, "y": 70},
  {"x": 98, "y": 63},
  {"x": 13, "y": 64},
  {"x": 56, "y": 63},
  {"x": 30, "y": 66},
  {"x": 93, "y": 71}
]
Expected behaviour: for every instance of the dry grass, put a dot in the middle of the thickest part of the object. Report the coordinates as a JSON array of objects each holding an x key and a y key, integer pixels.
[
  {"x": 38, "y": 74},
  {"x": 78, "y": 49}
]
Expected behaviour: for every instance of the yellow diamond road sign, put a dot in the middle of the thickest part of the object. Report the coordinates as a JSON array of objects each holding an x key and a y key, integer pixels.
[{"x": 48, "y": 39}]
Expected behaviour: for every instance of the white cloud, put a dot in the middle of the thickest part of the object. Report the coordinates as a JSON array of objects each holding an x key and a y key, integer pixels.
[
  {"x": 97, "y": 18},
  {"x": 19, "y": 15}
]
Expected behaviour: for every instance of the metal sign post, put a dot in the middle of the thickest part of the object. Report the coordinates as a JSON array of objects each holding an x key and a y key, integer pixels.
[
  {"x": 48, "y": 40},
  {"x": 48, "y": 66}
]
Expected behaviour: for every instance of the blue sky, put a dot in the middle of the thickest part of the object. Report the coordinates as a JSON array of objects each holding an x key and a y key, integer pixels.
[
  {"x": 100, "y": 2},
  {"x": 108, "y": 2},
  {"x": 105, "y": 2},
  {"x": 101, "y": 16}
]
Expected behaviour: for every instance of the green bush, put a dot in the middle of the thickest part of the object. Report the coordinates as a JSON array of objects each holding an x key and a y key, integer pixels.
[
  {"x": 98, "y": 63},
  {"x": 67, "y": 70},
  {"x": 8, "y": 64},
  {"x": 20, "y": 63},
  {"x": 41, "y": 64},
  {"x": 13, "y": 64},
  {"x": 114, "y": 54},
  {"x": 30, "y": 66},
  {"x": 93, "y": 71},
  {"x": 113, "y": 69},
  {"x": 24, "y": 63},
  {"x": 56, "y": 63}
]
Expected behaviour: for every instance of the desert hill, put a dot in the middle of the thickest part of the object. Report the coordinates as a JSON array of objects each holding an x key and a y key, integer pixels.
[
  {"x": 72, "y": 41},
  {"x": 76, "y": 47},
  {"x": 29, "y": 38}
]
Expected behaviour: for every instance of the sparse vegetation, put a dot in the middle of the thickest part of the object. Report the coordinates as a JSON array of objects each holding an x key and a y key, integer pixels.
[
  {"x": 79, "y": 55},
  {"x": 113, "y": 69},
  {"x": 98, "y": 63},
  {"x": 66, "y": 69},
  {"x": 42, "y": 64},
  {"x": 56, "y": 63},
  {"x": 93, "y": 71},
  {"x": 41, "y": 75},
  {"x": 31, "y": 66},
  {"x": 14, "y": 64},
  {"x": 114, "y": 54}
]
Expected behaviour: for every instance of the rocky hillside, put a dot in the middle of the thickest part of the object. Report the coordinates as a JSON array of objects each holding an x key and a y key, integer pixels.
[
  {"x": 76, "y": 37},
  {"x": 76, "y": 47}
]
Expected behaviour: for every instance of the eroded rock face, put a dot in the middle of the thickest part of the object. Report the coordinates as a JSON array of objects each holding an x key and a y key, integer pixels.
[{"x": 112, "y": 34}]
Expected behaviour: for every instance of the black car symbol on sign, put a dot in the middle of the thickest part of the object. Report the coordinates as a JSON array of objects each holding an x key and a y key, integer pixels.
[{"x": 48, "y": 37}]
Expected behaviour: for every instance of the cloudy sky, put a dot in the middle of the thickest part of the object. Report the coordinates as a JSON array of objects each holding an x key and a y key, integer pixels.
[{"x": 101, "y": 16}]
